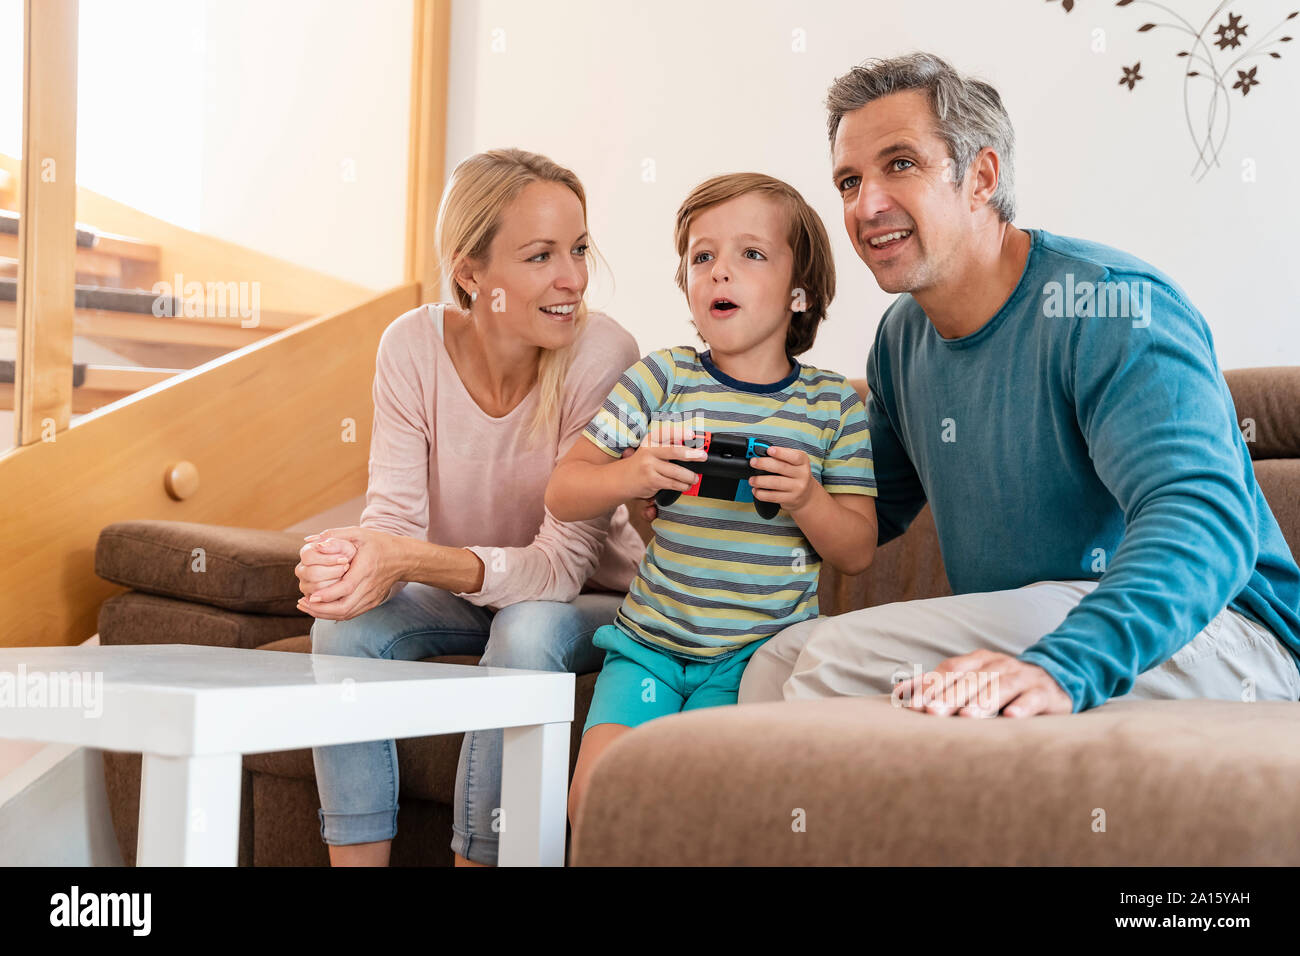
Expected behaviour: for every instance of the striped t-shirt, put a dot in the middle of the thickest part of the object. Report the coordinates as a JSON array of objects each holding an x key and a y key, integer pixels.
[{"x": 717, "y": 576}]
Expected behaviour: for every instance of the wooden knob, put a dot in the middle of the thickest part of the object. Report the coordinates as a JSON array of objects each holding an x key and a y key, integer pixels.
[{"x": 181, "y": 480}]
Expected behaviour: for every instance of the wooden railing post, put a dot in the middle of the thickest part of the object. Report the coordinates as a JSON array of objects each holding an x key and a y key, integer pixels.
[{"x": 47, "y": 232}]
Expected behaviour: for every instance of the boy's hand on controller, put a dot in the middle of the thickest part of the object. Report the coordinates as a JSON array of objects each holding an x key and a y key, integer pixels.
[
  {"x": 790, "y": 483},
  {"x": 650, "y": 468},
  {"x": 644, "y": 507}
]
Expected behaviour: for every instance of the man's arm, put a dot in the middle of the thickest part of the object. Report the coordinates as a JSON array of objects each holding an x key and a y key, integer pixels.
[
  {"x": 900, "y": 495},
  {"x": 1152, "y": 405}
]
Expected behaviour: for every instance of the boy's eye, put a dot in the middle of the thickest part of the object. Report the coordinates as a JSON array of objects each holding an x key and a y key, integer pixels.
[
  {"x": 897, "y": 161},
  {"x": 699, "y": 255}
]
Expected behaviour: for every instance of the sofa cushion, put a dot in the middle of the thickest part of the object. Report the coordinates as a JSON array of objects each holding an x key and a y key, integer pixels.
[
  {"x": 1279, "y": 479},
  {"x": 909, "y": 568},
  {"x": 300, "y": 644},
  {"x": 1179, "y": 783},
  {"x": 134, "y": 617},
  {"x": 242, "y": 569},
  {"x": 1269, "y": 397}
]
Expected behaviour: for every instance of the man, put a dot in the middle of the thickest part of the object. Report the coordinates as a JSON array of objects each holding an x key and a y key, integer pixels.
[{"x": 1059, "y": 405}]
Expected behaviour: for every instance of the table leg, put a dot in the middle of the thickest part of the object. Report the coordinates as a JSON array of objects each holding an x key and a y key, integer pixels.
[
  {"x": 534, "y": 795},
  {"x": 189, "y": 810}
]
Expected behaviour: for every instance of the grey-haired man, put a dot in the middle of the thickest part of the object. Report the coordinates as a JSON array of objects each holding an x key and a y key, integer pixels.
[{"x": 1059, "y": 405}]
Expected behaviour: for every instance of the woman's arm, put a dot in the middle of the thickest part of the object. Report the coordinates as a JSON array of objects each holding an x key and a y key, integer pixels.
[{"x": 453, "y": 569}]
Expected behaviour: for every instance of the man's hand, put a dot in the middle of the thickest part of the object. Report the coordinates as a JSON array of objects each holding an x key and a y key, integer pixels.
[
  {"x": 370, "y": 573},
  {"x": 983, "y": 684}
]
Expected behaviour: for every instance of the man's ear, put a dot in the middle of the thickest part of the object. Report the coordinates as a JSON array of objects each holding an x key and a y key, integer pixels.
[{"x": 984, "y": 172}]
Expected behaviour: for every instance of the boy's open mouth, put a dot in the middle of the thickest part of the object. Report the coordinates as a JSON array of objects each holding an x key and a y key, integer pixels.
[{"x": 722, "y": 307}]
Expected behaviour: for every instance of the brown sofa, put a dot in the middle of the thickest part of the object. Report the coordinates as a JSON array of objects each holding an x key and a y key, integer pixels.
[{"x": 824, "y": 782}]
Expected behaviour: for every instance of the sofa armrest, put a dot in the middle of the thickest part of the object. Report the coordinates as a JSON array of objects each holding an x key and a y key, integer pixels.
[{"x": 245, "y": 570}]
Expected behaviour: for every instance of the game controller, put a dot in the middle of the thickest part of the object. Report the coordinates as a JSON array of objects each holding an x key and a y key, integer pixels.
[{"x": 725, "y": 473}]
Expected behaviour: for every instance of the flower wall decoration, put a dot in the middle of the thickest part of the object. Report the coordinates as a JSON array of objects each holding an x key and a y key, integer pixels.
[{"x": 1225, "y": 35}]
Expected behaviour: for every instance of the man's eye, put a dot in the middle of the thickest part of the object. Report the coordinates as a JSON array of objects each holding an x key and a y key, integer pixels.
[
  {"x": 897, "y": 161},
  {"x": 845, "y": 183}
]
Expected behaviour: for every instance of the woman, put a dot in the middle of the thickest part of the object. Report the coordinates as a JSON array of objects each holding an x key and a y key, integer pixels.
[{"x": 456, "y": 553}]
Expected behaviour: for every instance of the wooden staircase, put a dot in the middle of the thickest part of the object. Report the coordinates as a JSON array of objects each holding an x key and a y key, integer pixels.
[{"x": 130, "y": 336}]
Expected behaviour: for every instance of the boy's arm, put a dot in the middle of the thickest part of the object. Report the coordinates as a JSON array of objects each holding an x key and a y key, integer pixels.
[
  {"x": 591, "y": 481},
  {"x": 587, "y": 482},
  {"x": 841, "y": 527},
  {"x": 838, "y": 515}
]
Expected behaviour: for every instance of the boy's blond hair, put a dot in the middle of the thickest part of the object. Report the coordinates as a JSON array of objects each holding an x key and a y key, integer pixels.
[{"x": 813, "y": 271}]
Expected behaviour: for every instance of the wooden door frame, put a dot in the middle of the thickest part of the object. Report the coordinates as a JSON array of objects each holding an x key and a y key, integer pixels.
[{"x": 430, "y": 55}]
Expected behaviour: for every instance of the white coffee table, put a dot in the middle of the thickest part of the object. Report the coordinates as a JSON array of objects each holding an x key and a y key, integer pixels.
[{"x": 194, "y": 711}]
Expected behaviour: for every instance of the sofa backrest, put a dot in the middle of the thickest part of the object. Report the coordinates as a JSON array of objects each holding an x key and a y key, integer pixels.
[
  {"x": 1267, "y": 404},
  {"x": 1268, "y": 409}
]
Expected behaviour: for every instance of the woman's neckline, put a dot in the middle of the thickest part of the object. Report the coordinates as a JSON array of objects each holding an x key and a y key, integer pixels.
[{"x": 445, "y": 354}]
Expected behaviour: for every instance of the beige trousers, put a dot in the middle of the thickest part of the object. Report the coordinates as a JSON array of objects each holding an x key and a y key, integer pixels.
[{"x": 869, "y": 651}]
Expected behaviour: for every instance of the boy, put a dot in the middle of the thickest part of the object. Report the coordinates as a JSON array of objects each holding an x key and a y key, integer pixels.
[{"x": 717, "y": 580}]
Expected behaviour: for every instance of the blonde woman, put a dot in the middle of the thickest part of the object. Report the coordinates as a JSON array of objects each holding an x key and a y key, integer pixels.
[{"x": 456, "y": 553}]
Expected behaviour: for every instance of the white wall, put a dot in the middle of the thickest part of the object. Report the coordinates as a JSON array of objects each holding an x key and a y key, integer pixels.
[
  {"x": 706, "y": 88},
  {"x": 11, "y": 77},
  {"x": 305, "y": 141},
  {"x": 139, "y": 139}
]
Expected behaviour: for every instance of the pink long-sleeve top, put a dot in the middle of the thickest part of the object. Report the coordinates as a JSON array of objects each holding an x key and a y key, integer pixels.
[{"x": 443, "y": 470}]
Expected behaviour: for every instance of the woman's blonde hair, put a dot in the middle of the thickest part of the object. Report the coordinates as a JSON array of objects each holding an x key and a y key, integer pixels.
[
  {"x": 469, "y": 217},
  {"x": 813, "y": 272}
]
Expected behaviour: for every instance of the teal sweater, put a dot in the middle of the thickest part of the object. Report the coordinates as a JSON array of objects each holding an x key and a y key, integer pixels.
[{"x": 1084, "y": 432}]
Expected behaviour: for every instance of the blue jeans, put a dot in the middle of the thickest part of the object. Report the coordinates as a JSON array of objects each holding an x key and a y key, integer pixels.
[{"x": 358, "y": 783}]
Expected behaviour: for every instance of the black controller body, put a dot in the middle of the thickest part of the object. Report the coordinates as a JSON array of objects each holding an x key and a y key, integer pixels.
[{"x": 725, "y": 473}]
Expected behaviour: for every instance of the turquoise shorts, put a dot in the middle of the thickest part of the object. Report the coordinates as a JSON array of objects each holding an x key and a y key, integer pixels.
[{"x": 639, "y": 683}]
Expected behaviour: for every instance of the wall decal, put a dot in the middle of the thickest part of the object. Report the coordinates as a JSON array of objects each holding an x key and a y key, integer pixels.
[{"x": 1215, "y": 54}]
